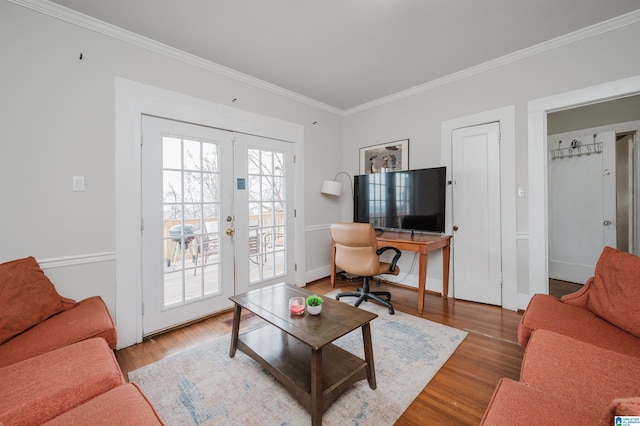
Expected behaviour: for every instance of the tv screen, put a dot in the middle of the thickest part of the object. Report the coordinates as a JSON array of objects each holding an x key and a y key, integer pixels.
[{"x": 412, "y": 199}]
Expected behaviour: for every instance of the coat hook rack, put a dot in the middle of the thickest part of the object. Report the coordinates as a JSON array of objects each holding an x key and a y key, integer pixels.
[{"x": 576, "y": 149}]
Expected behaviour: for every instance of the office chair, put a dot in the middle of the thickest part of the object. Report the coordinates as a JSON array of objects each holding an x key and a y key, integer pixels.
[{"x": 357, "y": 253}]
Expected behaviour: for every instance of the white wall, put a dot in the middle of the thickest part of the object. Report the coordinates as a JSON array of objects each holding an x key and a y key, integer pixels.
[
  {"x": 567, "y": 66},
  {"x": 57, "y": 120}
]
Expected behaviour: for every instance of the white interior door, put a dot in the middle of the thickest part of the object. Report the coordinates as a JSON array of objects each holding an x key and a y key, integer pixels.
[
  {"x": 475, "y": 171},
  {"x": 187, "y": 206},
  {"x": 264, "y": 228},
  {"x": 582, "y": 202}
]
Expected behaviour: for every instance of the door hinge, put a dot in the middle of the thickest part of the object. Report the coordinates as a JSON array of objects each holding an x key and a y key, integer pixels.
[
  {"x": 295, "y": 267},
  {"x": 294, "y": 159},
  {"x": 141, "y": 224},
  {"x": 142, "y": 305},
  {"x": 295, "y": 213}
]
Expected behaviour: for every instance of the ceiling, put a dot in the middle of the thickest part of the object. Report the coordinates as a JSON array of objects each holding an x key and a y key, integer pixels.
[{"x": 346, "y": 53}]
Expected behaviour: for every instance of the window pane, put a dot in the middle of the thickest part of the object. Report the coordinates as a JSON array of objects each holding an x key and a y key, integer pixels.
[
  {"x": 192, "y": 160},
  {"x": 172, "y": 187},
  {"x": 171, "y": 153}
]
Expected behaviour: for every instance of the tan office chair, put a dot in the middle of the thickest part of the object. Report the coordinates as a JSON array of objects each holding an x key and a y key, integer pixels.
[{"x": 357, "y": 253}]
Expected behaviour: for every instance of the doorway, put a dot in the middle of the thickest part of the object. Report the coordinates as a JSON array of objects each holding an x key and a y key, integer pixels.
[
  {"x": 133, "y": 100},
  {"x": 537, "y": 164},
  {"x": 507, "y": 235}
]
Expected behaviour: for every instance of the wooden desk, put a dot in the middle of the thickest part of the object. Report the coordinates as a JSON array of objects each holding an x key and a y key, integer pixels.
[{"x": 420, "y": 243}]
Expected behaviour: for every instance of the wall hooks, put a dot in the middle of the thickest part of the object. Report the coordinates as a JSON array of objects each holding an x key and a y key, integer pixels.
[
  {"x": 314, "y": 123},
  {"x": 576, "y": 149},
  {"x": 81, "y": 56},
  {"x": 234, "y": 100}
]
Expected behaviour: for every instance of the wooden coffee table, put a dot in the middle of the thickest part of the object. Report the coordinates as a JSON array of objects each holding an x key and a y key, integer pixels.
[{"x": 298, "y": 350}]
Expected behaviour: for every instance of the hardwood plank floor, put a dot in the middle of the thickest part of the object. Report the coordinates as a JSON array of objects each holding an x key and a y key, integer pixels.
[{"x": 458, "y": 394}]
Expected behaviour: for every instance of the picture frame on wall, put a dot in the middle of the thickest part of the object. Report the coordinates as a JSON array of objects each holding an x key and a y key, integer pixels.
[{"x": 385, "y": 157}]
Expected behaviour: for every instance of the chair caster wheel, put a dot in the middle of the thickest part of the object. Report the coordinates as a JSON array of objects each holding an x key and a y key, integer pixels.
[{"x": 391, "y": 311}]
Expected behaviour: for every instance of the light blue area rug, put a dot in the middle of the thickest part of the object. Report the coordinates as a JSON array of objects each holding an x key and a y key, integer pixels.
[{"x": 203, "y": 386}]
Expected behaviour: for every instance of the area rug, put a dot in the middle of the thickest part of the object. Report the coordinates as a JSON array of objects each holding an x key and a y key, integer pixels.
[{"x": 203, "y": 386}]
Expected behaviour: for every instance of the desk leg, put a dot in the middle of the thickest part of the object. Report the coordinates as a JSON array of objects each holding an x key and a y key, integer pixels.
[
  {"x": 368, "y": 355},
  {"x": 445, "y": 270},
  {"x": 333, "y": 265},
  {"x": 316, "y": 388},
  {"x": 234, "y": 330},
  {"x": 422, "y": 281}
]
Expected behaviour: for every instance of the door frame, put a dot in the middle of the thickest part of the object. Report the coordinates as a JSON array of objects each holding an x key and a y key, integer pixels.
[
  {"x": 132, "y": 99},
  {"x": 537, "y": 158},
  {"x": 506, "y": 117}
]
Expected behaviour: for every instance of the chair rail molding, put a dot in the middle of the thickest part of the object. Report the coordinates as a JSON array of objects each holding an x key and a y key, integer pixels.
[{"x": 80, "y": 259}]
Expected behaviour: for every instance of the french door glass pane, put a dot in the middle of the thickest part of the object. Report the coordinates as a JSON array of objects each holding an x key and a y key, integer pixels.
[
  {"x": 267, "y": 202},
  {"x": 191, "y": 207}
]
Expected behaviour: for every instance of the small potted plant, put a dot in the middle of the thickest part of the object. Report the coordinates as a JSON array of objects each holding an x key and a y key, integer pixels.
[{"x": 314, "y": 304}]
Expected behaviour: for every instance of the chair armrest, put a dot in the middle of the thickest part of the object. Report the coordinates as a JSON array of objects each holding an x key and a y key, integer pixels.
[
  {"x": 395, "y": 258},
  {"x": 580, "y": 297}
]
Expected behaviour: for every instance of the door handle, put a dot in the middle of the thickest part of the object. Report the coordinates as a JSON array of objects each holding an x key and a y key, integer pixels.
[
  {"x": 230, "y": 232},
  {"x": 455, "y": 227}
]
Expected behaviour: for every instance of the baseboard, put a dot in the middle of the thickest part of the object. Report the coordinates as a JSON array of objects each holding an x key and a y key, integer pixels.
[{"x": 317, "y": 274}]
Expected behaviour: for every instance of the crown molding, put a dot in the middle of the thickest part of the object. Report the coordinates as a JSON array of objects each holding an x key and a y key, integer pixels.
[
  {"x": 582, "y": 34},
  {"x": 68, "y": 15},
  {"x": 76, "y": 18}
]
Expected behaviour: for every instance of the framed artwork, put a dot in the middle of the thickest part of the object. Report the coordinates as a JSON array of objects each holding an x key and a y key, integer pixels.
[{"x": 385, "y": 157}]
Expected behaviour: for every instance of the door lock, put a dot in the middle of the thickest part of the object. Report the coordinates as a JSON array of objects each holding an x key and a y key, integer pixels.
[
  {"x": 230, "y": 231},
  {"x": 606, "y": 223}
]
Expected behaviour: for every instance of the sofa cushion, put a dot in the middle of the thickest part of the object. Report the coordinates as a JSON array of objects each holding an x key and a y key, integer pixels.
[
  {"x": 124, "y": 405},
  {"x": 579, "y": 372},
  {"x": 90, "y": 318},
  {"x": 517, "y": 404},
  {"x": 549, "y": 313},
  {"x": 27, "y": 297},
  {"x": 38, "y": 389},
  {"x": 616, "y": 290},
  {"x": 624, "y": 407}
]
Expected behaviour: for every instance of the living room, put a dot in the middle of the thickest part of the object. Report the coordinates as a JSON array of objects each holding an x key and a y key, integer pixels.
[{"x": 69, "y": 79}]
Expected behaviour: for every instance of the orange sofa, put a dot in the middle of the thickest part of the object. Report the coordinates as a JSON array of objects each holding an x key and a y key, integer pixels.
[
  {"x": 57, "y": 362},
  {"x": 582, "y": 353}
]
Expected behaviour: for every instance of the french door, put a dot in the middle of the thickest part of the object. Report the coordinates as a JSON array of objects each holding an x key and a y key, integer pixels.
[
  {"x": 217, "y": 211},
  {"x": 265, "y": 230}
]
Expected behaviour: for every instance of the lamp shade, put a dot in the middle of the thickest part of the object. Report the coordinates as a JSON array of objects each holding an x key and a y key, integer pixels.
[{"x": 331, "y": 187}]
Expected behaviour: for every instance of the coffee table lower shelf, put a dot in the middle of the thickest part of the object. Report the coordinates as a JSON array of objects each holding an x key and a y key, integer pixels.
[{"x": 290, "y": 362}]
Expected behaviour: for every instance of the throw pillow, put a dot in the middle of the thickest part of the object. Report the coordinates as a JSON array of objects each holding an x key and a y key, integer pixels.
[
  {"x": 616, "y": 290},
  {"x": 27, "y": 297}
]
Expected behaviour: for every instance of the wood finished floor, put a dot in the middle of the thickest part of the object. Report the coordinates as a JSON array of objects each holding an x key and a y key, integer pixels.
[{"x": 458, "y": 394}]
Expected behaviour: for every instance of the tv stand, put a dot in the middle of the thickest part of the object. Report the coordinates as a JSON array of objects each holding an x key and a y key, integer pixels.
[{"x": 416, "y": 242}]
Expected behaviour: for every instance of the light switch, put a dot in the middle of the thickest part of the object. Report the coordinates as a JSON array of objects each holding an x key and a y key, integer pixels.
[{"x": 78, "y": 183}]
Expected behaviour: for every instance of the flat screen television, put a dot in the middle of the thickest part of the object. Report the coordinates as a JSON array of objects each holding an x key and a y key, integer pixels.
[{"x": 406, "y": 200}]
